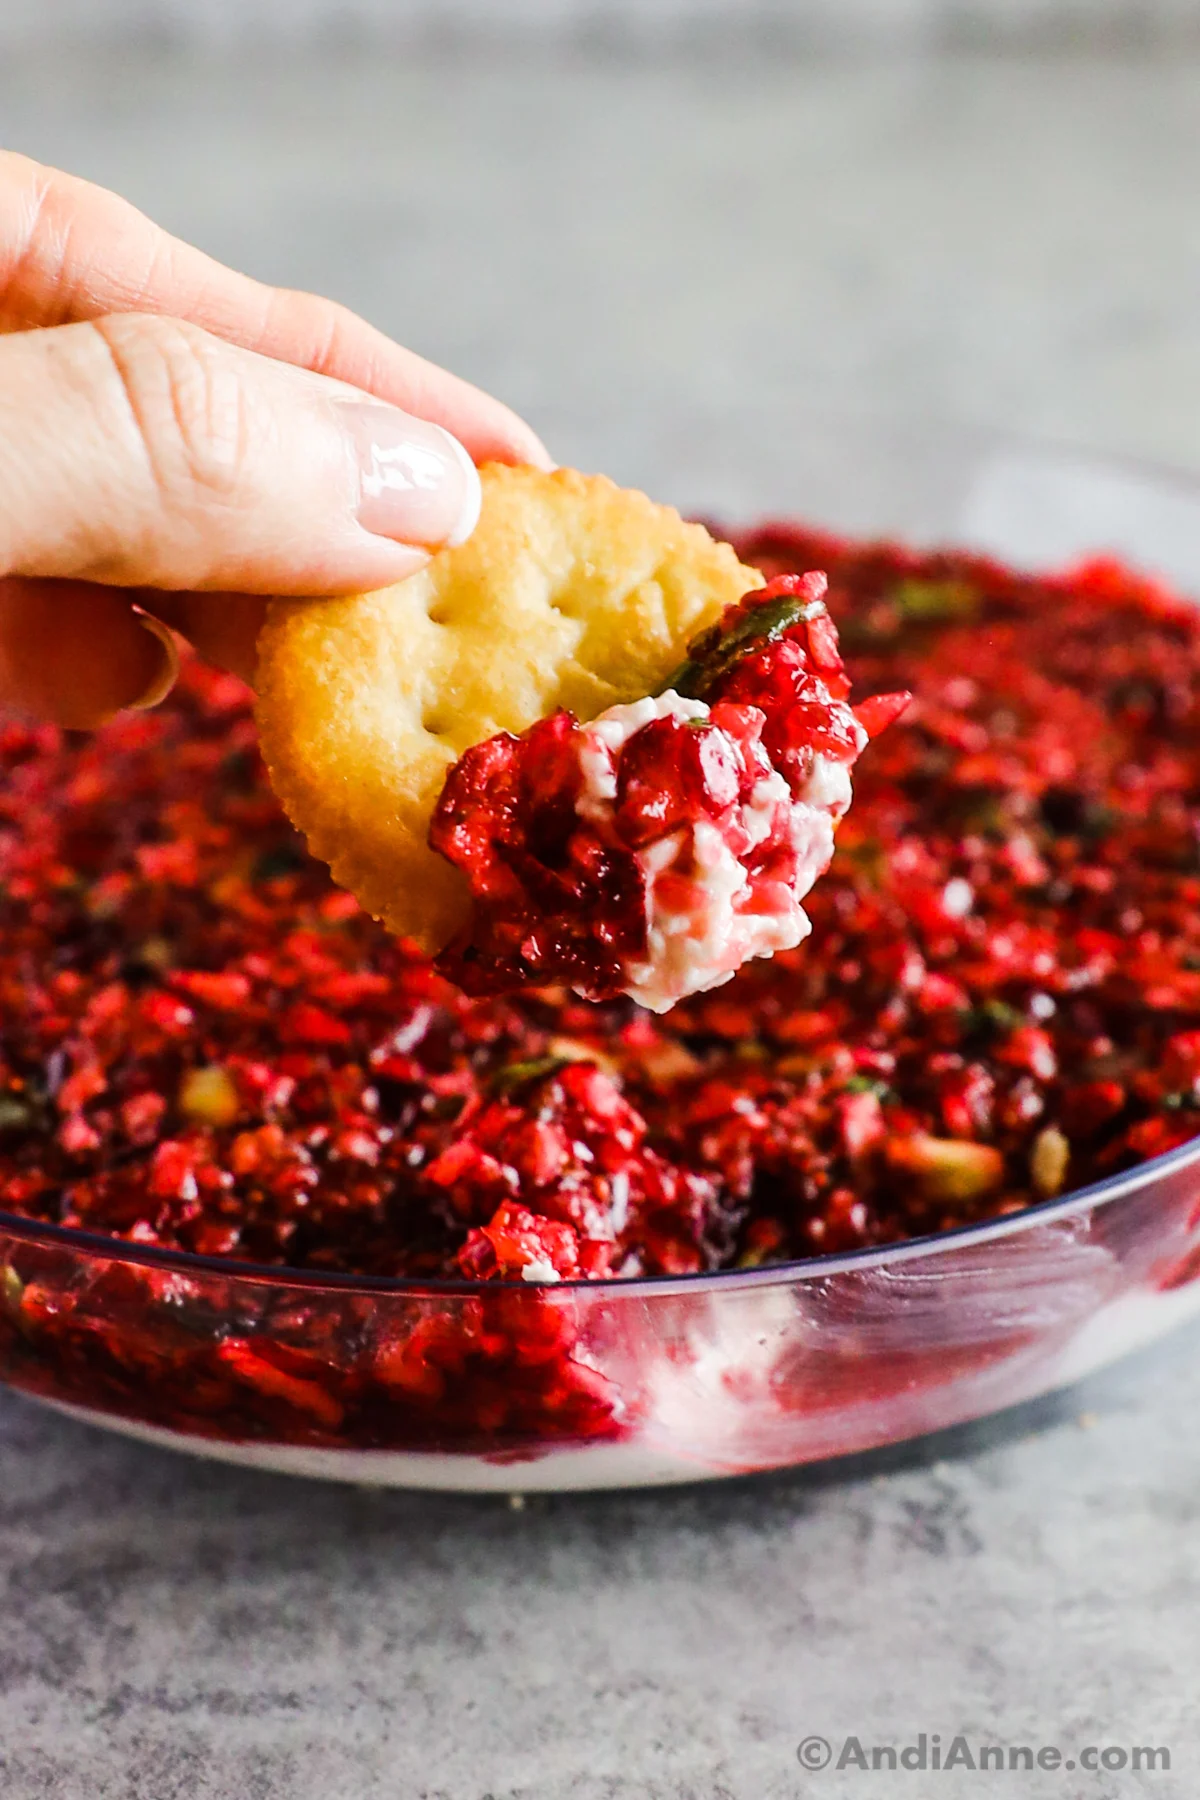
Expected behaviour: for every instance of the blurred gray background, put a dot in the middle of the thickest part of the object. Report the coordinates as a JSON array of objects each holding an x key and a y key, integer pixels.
[
  {"x": 684, "y": 236},
  {"x": 648, "y": 222},
  {"x": 858, "y": 23}
]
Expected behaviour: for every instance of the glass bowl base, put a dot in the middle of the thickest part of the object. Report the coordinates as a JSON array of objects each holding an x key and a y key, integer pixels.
[{"x": 1128, "y": 1323}]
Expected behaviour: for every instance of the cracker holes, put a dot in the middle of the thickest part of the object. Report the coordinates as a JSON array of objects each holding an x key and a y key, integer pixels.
[
  {"x": 566, "y": 604},
  {"x": 435, "y": 723}
]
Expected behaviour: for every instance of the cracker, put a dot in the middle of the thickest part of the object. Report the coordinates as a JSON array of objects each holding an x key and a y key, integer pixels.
[{"x": 571, "y": 592}]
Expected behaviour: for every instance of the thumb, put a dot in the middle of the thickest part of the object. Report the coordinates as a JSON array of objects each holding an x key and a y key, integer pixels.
[{"x": 140, "y": 451}]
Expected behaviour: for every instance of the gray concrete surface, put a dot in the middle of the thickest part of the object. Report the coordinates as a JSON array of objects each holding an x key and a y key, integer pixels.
[
  {"x": 621, "y": 250},
  {"x": 178, "y": 1631}
]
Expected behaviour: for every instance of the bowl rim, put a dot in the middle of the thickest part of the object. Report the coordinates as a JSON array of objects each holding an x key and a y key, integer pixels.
[{"x": 100, "y": 1247}]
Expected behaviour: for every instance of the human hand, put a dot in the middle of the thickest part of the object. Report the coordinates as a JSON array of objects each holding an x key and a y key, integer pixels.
[{"x": 181, "y": 439}]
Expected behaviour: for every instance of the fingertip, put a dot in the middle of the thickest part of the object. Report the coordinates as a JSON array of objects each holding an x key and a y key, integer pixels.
[
  {"x": 540, "y": 457},
  {"x": 527, "y": 446}
]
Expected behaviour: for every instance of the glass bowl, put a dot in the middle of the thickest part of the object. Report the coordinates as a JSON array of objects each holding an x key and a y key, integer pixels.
[{"x": 468, "y": 1386}]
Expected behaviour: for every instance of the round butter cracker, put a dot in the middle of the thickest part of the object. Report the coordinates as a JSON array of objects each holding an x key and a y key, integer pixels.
[{"x": 571, "y": 592}]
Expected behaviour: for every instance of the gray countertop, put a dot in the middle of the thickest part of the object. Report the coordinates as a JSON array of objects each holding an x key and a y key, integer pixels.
[
  {"x": 180, "y": 1631},
  {"x": 604, "y": 242}
]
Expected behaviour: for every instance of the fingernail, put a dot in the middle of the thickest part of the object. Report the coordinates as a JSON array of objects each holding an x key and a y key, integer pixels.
[
  {"x": 417, "y": 485},
  {"x": 167, "y": 668}
]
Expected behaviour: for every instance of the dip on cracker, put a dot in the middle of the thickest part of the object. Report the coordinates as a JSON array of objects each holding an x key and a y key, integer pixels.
[{"x": 587, "y": 746}]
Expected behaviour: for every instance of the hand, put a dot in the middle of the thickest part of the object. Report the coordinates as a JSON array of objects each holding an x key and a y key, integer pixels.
[{"x": 179, "y": 438}]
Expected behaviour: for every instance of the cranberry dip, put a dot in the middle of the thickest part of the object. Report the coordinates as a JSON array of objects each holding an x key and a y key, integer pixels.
[{"x": 205, "y": 1045}]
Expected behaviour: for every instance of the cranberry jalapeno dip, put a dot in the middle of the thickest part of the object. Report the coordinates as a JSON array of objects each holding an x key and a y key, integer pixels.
[{"x": 208, "y": 1048}]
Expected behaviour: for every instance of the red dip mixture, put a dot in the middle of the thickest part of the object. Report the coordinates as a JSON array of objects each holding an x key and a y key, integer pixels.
[
  {"x": 205, "y": 1045},
  {"x": 654, "y": 850}
]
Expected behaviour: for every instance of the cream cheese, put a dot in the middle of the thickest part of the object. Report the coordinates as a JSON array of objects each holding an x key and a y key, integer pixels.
[{"x": 700, "y": 927}]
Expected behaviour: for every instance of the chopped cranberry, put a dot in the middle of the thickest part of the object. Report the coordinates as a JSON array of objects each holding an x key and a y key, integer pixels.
[{"x": 670, "y": 773}]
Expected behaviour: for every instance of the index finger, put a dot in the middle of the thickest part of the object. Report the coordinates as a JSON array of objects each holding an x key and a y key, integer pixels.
[{"x": 71, "y": 251}]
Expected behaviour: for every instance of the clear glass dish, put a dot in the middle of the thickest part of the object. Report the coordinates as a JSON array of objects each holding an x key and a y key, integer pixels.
[{"x": 629, "y": 1382}]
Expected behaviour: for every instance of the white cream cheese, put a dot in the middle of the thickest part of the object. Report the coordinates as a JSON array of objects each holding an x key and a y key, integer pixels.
[
  {"x": 540, "y": 1269},
  {"x": 699, "y": 929}
]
